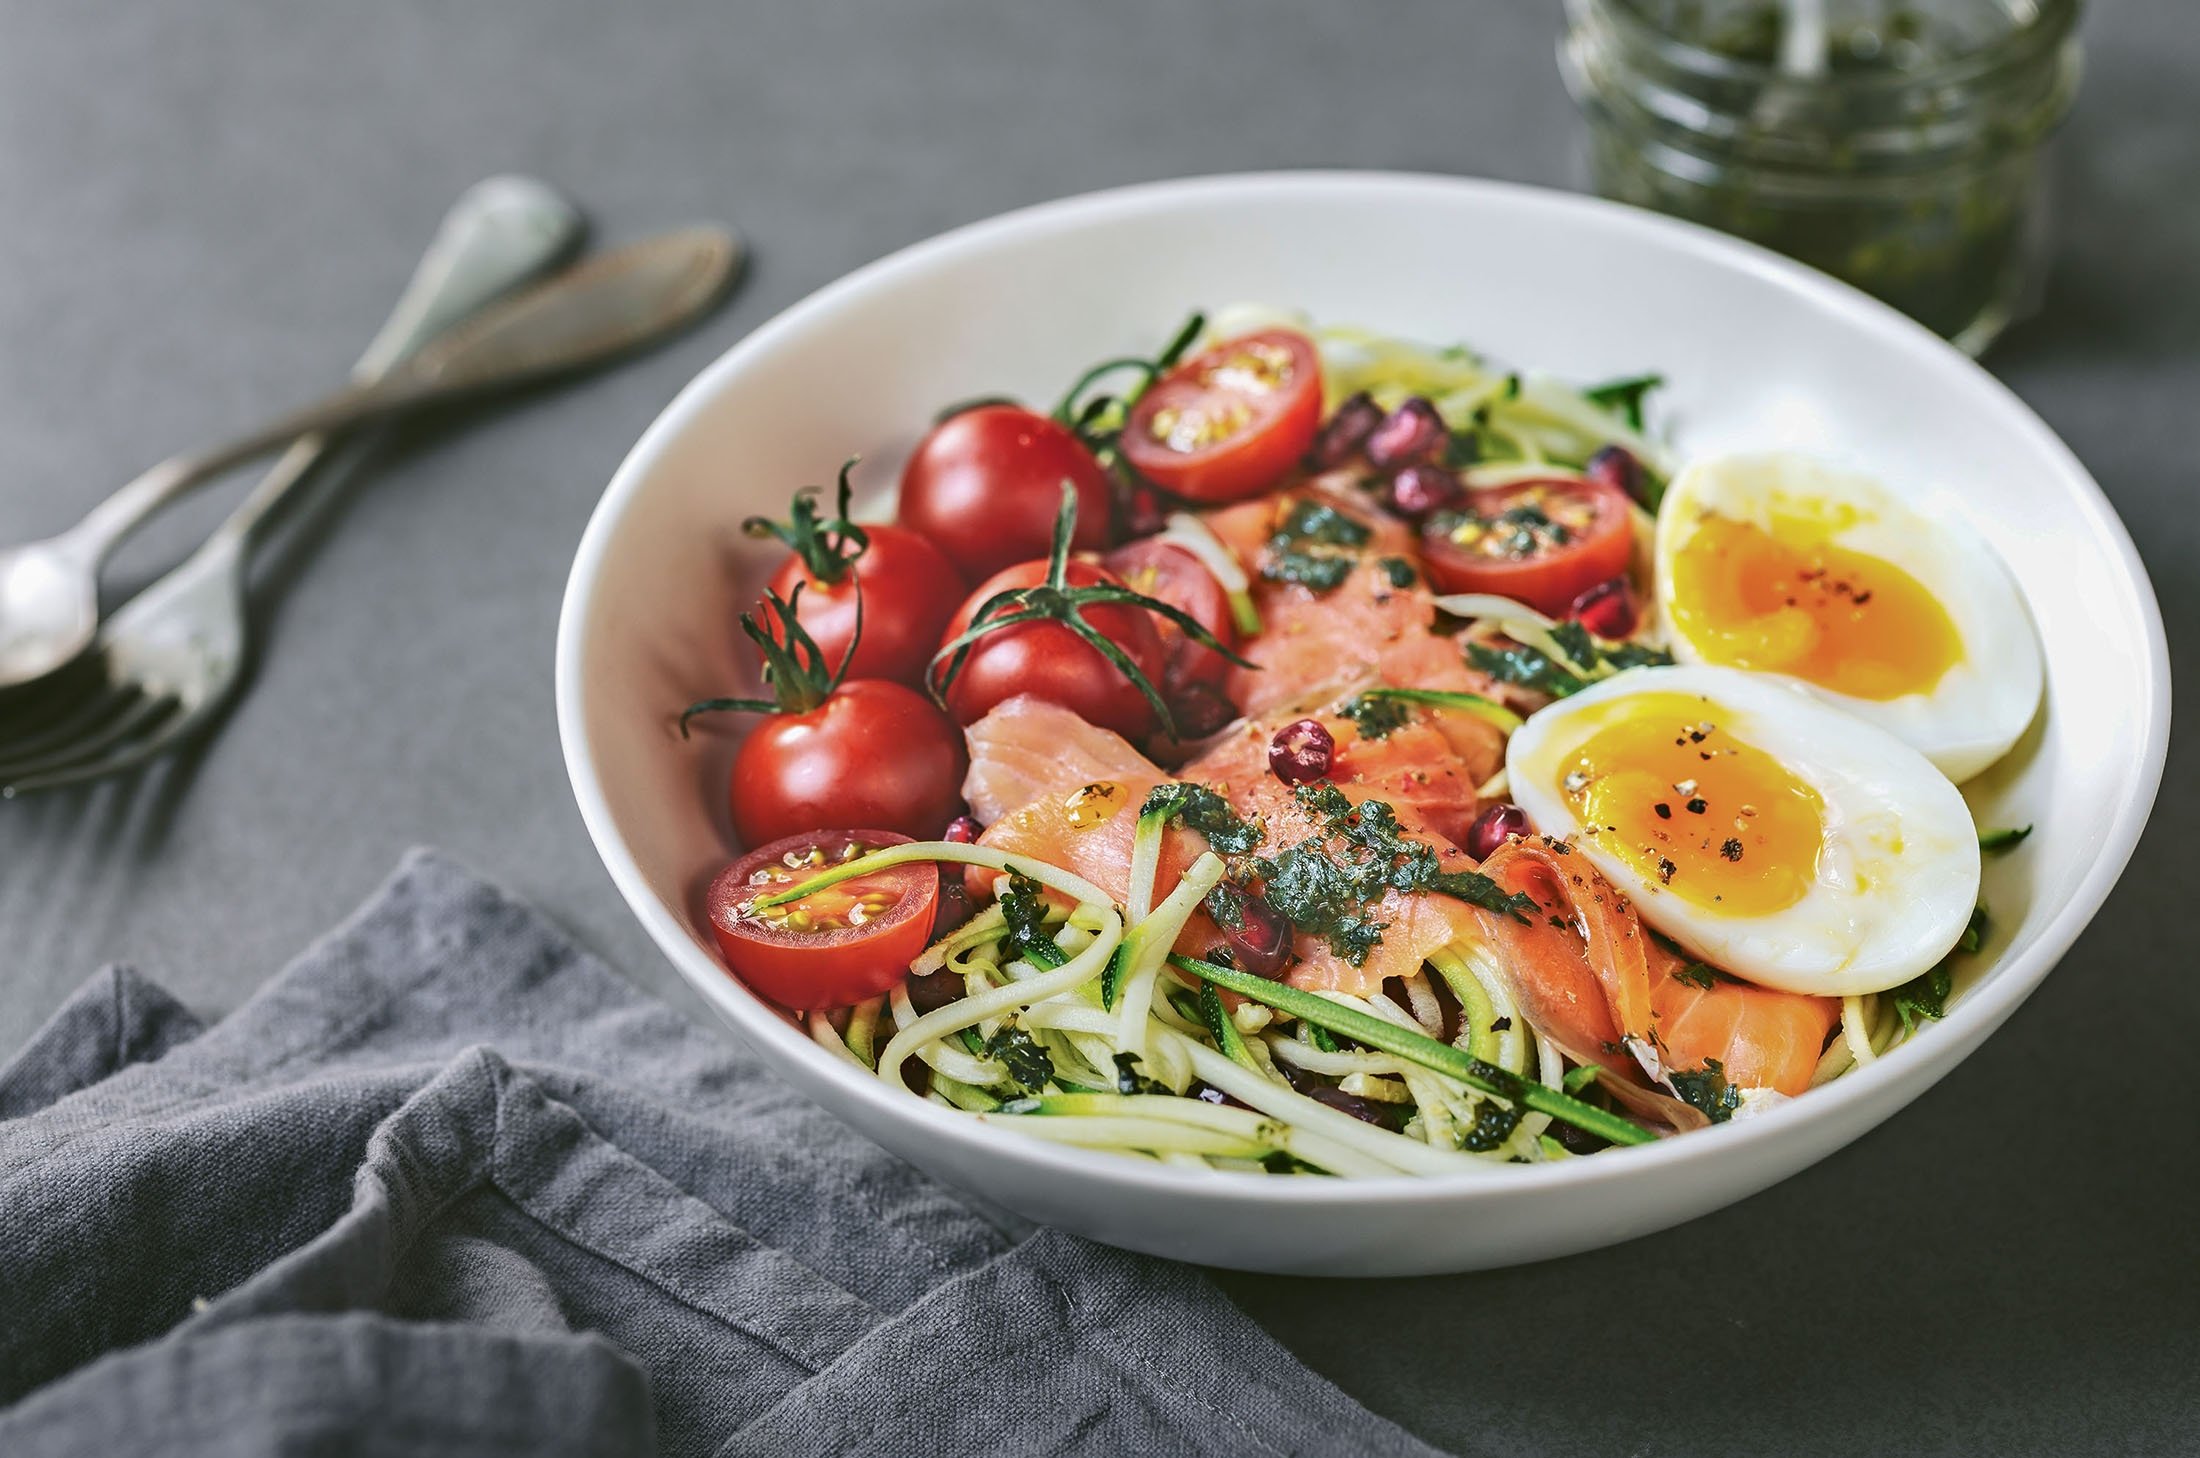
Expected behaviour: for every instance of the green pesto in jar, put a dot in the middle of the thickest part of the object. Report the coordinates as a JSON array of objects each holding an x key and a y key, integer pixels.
[{"x": 1896, "y": 146}]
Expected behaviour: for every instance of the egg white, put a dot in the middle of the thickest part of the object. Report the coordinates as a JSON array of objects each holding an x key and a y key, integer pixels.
[
  {"x": 1982, "y": 705},
  {"x": 1898, "y": 869}
]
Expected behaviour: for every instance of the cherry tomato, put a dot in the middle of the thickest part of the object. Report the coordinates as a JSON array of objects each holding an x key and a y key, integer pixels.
[
  {"x": 874, "y": 753},
  {"x": 910, "y": 590},
  {"x": 985, "y": 486},
  {"x": 1166, "y": 571},
  {"x": 1231, "y": 421},
  {"x": 1049, "y": 660},
  {"x": 835, "y": 947},
  {"x": 1540, "y": 542}
]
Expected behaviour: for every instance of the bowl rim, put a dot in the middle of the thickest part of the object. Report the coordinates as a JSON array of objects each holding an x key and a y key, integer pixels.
[{"x": 2008, "y": 982}]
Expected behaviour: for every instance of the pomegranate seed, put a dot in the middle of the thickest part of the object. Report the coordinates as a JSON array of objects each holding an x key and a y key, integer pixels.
[
  {"x": 1617, "y": 466},
  {"x": 1493, "y": 827},
  {"x": 1301, "y": 752},
  {"x": 1412, "y": 432},
  {"x": 1200, "y": 709},
  {"x": 962, "y": 830},
  {"x": 1608, "y": 609},
  {"x": 953, "y": 907},
  {"x": 1259, "y": 937},
  {"x": 1340, "y": 440},
  {"x": 1143, "y": 513},
  {"x": 1367, "y": 1111},
  {"x": 935, "y": 990},
  {"x": 1419, "y": 491}
]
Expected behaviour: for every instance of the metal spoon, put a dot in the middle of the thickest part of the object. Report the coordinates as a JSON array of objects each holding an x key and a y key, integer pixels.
[
  {"x": 182, "y": 639},
  {"x": 49, "y": 589}
]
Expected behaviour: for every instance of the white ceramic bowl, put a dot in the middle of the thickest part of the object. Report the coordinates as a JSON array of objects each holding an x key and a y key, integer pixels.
[{"x": 1759, "y": 352}]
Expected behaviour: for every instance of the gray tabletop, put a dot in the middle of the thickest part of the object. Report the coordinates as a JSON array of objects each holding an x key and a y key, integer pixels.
[{"x": 205, "y": 211}]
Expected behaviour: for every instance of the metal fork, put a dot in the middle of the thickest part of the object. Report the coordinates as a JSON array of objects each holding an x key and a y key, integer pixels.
[{"x": 168, "y": 660}]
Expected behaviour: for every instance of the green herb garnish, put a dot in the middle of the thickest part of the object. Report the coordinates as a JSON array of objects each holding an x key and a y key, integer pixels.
[
  {"x": 1325, "y": 885},
  {"x": 1376, "y": 716},
  {"x": 1707, "y": 1090},
  {"x": 1698, "y": 974},
  {"x": 1024, "y": 907},
  {"x": 1532, "y": 668},
  {"x": 1926, "y": 995},
  {"x": 1624, "y": 397},
  {"x": 1201, "y": 809},
  {"x": 1519, "y": 664},
  {"x": 1620, "y": 657},
  {"x": 1028, "y": 1065},
  {"x": 2001, "y": 840},
  {"x": 1493, "y": 1125},
  {"x": 1317, "y": 546},
  {"x": 1128, "y": 1080},
  {"x": 1574, "y": 641}
]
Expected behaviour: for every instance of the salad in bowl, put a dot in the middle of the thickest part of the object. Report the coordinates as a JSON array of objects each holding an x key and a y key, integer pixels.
[{"x": 1308, "y": 753}]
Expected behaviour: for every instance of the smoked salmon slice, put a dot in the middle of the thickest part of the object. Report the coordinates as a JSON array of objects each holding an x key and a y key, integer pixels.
[
  {"x": 1376, "y": 626},
  {"x": 1415, "y": 768},
  {"x": 1031, "y": 763},
  {"x": 1588, "y": 975}
]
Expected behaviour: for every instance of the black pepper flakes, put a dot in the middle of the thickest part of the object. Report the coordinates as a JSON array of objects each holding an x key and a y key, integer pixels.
[
  {"x": 1732, "y": 849},
  {"x": 1665, "y": 811},
  {"x": 1666, "y": 868},
  {"x": 1698, "y": 805}
]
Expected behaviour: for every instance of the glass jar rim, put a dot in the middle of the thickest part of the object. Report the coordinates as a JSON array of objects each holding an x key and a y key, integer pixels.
[{"x": 2051, "y": 25}]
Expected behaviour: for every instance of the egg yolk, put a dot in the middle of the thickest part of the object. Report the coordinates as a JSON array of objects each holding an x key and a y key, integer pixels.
[
  {"x": 1789, "y": 601},
  {"x": 1709, "y": 818}
]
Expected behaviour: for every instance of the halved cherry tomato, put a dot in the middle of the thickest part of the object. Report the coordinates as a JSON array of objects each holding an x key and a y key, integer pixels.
[
  {"x": 1540, "y": 542},
  {"x": 1166, "y": 571},
  {"x": 835, "y": 947},
  {"x": 909, "y": 590},
  {"x": 1049, "y": 660},
  {"x": 986, "y": 483},
  {"x": 873, "y": 753},
  {"x": 1232, "y": 420}
]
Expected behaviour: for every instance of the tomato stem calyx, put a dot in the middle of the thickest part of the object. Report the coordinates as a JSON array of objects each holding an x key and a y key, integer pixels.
[
  {"x": 828, "y": 546},
  {"x": 794, "y": 666},
  {"x": 1056, "y": 601}
]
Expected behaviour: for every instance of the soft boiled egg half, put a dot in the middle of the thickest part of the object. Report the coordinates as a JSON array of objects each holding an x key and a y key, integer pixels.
[
  {"x": 1769, "y": 834},
  {"x": 1783, "y": 564}
]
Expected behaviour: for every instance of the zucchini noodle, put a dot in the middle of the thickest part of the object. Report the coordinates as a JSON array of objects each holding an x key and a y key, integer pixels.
[
  {"x": 1115, "y": 1077},
  {"x": 970, "y": 1011}
]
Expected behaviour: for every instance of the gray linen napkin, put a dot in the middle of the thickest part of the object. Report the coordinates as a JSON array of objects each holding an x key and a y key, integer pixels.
[{"x": 449, "y": 1186}]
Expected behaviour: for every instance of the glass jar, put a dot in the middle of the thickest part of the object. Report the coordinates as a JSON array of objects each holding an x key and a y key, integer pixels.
[{"x": 1896, "y": 144}]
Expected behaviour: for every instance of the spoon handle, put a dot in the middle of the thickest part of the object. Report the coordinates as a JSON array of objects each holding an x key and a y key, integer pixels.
[
  {"x": 604, "y": 307},
  {"x": 500, "y": 233}
]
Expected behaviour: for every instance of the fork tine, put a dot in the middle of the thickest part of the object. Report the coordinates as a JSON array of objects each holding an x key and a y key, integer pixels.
[
  {"x": 60, "y": 730},
  {"x": 129, "y": 756},
  {"x": 16, "y": 773}
]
